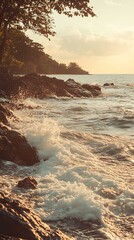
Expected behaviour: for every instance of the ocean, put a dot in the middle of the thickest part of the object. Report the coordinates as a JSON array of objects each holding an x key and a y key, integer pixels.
[{"x": 86, "y": 183}]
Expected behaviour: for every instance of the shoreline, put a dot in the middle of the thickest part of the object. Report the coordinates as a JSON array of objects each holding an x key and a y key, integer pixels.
[
  {"x": 26, "y": 86},
  {"x": 112, "y": 158},
  {"x": 15, "y": 148},
  {"x": 17, "y": 218}
]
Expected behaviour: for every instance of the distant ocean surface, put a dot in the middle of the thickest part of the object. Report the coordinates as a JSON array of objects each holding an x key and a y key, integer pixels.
[{"x": 86, "y": 185}]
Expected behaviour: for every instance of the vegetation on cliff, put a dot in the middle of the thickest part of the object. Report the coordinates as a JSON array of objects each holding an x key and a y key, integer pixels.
[
  {"x": 22, "y": 56},
  {"x": 36, "y": 15}
]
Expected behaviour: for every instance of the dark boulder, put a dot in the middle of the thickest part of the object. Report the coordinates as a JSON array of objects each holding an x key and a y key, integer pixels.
[
  {"x": 108, "y": 85},
  {"x": 32, "y": 76},
  {"x": 27, "y": 183},
  {"x": 2, "y": 94},
  {"x": 33, "y": 85},
  {"x": 18, "y": 221},
  {"x": 94, "y": 89},
  {"x": 5, "y": 113},
  {"x": 3, "y": 118},
  {"x": 84, "y": 90},
  {"x": 5, "y": 82},
  {"x": 71, "y": 82},
  {"x": 15, "y": 148},
  {"x": 5, "y": 237}
]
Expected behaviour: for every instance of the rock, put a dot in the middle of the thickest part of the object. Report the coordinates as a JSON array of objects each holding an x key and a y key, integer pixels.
[
  {"x": 20, "y": 222},
  {"x": 2, "y": 94},
  {"x": 26, "y": 86},
  {"x": 3, "y": 70},
  {"x": 94, "y": 89},
  {"x": 27, "y": 183},
  {"x": 4, "y": 114},
  {"x": 85, "y": 90},
  {"x": 3, "y": 118},
  {"x": 71, "y": 82},
  {"x": 32, "y": 76},
  {"x": 5, "y": 237},
  {"x": 4, "y": 109},
  {"x": 15, "y": 148},
  {"x": 5, "y": 82},
  {"x": 108, "y": 84}
]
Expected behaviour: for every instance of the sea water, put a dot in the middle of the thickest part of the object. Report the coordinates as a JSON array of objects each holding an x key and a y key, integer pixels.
[{"x": 86, "y": 150}]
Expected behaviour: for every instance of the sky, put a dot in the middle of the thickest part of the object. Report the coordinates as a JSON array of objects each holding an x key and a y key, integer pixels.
[{"x": 101, "y": 45}]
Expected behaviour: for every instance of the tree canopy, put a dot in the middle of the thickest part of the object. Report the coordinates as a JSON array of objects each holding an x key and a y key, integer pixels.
[
  {"x": 37, "y": 15},
  {"x": 22, "y": 55}
]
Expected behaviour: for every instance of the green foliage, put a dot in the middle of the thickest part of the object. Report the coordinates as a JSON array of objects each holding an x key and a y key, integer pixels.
[
  {"x": 22, "y": 55},
  {"x": 74, "y": 68},
  {"x": 37, "y": 15}
]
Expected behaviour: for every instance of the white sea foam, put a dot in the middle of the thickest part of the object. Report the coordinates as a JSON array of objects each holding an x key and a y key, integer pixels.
[
  {"x": 68, "y": 200},
  {"x": 57, "y": 194},
  {"x": 86, "y": 176},
  {"x": 73, "y": 183},
  {"x": 2, "y": 99},
  {"x": 31, "y": 102}
]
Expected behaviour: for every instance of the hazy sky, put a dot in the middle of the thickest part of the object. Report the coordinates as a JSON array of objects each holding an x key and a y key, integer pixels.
[{"x": 103, "y": 44}]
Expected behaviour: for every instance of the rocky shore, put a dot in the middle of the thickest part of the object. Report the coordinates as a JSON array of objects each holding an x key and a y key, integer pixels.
[
  {"x": 13, "y": 146},
  {"x": 33, "y": 85},
  {"x": 18, "y": 221}
]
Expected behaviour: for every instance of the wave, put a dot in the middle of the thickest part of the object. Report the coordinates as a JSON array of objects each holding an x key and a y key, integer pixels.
[
  {"x": 81, "y": 176},
  {"x": 77, "y": 109}
]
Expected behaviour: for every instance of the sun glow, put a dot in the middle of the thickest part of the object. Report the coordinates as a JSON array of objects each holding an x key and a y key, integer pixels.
[{"x": 103, "y": 44}]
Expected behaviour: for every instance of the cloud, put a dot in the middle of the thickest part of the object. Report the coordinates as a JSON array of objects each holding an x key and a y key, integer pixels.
[
  {"x": 96, "y": 45},
  {"x": 112, "y": 2},
  {"x": 97, "y": 53}
]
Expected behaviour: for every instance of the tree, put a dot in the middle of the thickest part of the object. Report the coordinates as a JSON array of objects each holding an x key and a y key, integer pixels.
[
  {"x": 22, "y": 55},
  {"x": 37, "y": 15},
  {"x": 20, "y": 51},
  {"x": 74, "y": 68}
]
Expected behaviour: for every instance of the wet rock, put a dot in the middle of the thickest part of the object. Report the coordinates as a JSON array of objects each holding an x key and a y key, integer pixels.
[
  {"x": 108, "y": 84},
  {"x": 5, "y": 82},
  {"x": 94, "y": 89},
  {"x": 2, "y": 94},
  {"x": 3, "y": 69},
  {"x": 4, "y": 114},
  {"x": 32, "y": 75},
  {"x": 15, "y": 148},
  {"x": 3, "y": 118},
  {"x": 27, "y": 183},
  {"x": 4, "y": 109},
  {"x": 5, "y": 237},
  {"x": 18, "y": 221},
  {"x": 26, "y": 86},
  {"x": 71, "y": 82}
]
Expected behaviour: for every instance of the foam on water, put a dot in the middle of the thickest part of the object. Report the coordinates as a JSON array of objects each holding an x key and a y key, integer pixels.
[
  {"x": 31, "y": 102},
  {"x": 68, "y": 200},
  {"x": 85, "y": 176},
  {"x": 2, "y": 99},
  {"x": 57, "y": 194}
]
